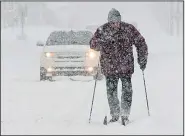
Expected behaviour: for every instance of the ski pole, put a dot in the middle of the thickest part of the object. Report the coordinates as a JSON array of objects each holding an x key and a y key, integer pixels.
[
  {"x": 146, "y": 94},
  {"x": 93, "y": 94}
]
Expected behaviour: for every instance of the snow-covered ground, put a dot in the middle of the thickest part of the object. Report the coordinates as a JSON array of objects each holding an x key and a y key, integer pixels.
[{"x": 29, "y": 106}]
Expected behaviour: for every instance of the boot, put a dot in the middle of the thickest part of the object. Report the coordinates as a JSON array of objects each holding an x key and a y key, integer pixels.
[
  {"x": 124, "y": 120},
  {"x": 114, "y": 119}
]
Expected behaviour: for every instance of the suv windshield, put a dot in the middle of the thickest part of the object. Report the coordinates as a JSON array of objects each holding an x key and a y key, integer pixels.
[{"x": 68, "y": 38}]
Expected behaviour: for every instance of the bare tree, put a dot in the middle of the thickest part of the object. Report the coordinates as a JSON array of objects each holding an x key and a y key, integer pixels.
[{"x": 22, "y": 13}]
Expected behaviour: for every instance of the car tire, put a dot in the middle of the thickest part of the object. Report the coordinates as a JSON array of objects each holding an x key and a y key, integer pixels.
[
  {"x": 42, "y": 74},
  {"x": 50, "y": 78}
]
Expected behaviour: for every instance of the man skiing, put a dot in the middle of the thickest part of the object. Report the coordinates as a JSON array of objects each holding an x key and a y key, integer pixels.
[{"x": 114, "y": 40}]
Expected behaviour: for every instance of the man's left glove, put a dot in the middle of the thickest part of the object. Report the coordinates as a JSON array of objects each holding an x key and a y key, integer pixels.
[{"x": 142, "y": 64}]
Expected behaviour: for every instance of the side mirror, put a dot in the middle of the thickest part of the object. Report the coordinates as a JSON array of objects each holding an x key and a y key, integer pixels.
[{"x": 40, "y": 43}]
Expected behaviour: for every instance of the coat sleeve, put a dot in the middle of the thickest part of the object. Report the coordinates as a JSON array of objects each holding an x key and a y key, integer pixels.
[
  {"x": 141, "y": 46},
  {"x": 95, "y": 42}
]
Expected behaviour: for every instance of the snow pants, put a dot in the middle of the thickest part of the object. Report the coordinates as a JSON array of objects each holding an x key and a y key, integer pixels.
[{"x": 116, "y": 109}]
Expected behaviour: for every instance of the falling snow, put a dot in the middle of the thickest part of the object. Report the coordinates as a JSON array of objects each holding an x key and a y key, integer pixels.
[{"x": 147, "y": 36}]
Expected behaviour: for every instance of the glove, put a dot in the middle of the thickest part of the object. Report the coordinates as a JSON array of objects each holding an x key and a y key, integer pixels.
[{"x": 142, "y": 64}]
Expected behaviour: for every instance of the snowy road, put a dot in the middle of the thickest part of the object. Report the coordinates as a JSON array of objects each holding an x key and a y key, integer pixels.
[{"x": 62, "y": 107}]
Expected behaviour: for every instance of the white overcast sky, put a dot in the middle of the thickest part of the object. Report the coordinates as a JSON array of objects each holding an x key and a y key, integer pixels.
[{"x": 84, "y": 13}]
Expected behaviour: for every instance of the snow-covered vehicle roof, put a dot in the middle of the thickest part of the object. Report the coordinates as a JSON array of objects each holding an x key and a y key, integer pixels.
[{"x": 64, "y": 37}]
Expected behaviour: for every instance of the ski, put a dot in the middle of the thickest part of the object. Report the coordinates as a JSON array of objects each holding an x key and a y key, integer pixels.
[{"x": 80, "y": 80}]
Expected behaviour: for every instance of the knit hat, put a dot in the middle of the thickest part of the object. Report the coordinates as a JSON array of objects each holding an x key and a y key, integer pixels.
[{"x": 114, "y": 15}]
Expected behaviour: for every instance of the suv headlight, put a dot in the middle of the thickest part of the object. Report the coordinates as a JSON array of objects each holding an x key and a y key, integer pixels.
[
  {"x": 49, "y": 54},
  {"x": 50, "y": 69},
  {"x": 91, "y": 54},
  {"x": 90, "y": 69}
]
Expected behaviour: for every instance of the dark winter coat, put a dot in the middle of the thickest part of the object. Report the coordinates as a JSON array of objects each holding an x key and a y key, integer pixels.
[{"x": 115, "y": 41}]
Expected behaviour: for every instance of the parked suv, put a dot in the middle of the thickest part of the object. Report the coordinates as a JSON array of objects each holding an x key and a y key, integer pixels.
[{"x": 67, "y": 53}]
